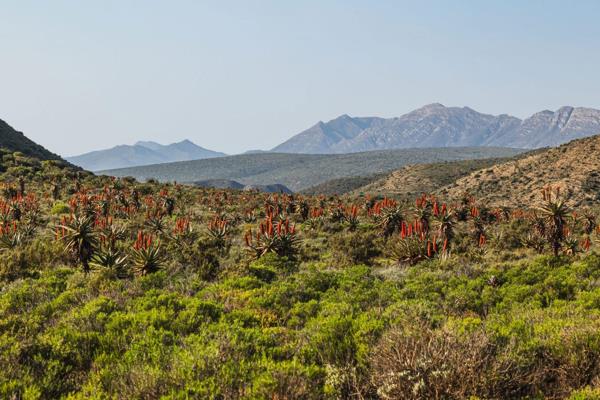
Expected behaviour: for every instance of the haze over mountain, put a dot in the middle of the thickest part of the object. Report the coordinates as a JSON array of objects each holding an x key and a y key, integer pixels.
[
  {"x": 435, "y": 125},
  {"x": 142, "y": 153}
]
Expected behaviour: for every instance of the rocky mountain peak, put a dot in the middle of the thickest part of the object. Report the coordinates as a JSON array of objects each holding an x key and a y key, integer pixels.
[{"x": 435, "y": 125}]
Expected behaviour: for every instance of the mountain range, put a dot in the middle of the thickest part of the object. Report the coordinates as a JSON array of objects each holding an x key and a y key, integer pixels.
[
  {"x": 435, "y": 125},
  {"x": 142, "y": 153}
]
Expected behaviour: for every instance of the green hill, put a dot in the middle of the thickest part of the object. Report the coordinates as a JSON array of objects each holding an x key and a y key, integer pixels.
[
  {"x": 344, "y": 185},
  {"x": 13, "y": 140},
  {"x": 301, "y": 171}
]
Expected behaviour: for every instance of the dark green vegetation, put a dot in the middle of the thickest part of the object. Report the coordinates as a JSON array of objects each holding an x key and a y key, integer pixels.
[
  {"x": 411, "y": 180},
  {"x": 116, "y": 289},
  {"x": 13, "y": 140},
  {"x": 301, "y": 171},
  {"x": 229, "y": 184},
  {"x": 344, "y": 185}
]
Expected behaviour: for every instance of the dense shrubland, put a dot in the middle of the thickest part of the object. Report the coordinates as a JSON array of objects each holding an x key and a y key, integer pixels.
[{"x": 118, "y": 289}]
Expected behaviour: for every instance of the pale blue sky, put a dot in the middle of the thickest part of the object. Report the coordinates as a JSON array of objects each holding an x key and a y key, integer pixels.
[{"x": 237, "y": 75}]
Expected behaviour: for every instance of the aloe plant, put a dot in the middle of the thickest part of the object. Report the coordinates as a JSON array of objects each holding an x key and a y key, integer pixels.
[
  {"x": 444, "y": 226},
  {"x": 554, "y": 212},
  {"x": 11, "y": 236},
  {"x": 351, "y": 217},
  {"x": 571, "y": 245},
  {"x": 389, "y": 216},
  {"x": 218, "y": 229},
  {"x": 112, "y": 259},
  {"x": 155, "y": 224},
  {"x": 279, "y": 238},
  {"x": 80, "y": 239},
  {"x": 535, "y": 241},
  {"x": 302, "y": 209},
  {"x": 413, "y": 249},
  {"x": 147, "y": 255}
]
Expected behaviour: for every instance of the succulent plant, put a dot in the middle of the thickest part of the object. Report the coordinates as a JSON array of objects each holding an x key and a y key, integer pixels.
[
  {"x": 80, "y": 238},
  {"x": 279, "y": 238},
  {"x": 147, "y": 255}
]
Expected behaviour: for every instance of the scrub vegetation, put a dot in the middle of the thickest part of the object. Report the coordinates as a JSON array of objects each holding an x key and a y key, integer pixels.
[{"x": 116, "y": 289}]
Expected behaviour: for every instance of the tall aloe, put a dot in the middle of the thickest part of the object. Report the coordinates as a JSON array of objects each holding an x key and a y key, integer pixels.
[
  {"x": 554, "y": 212},
  {"x": 444, "y": 225},
  {"x": 389, "y": 216},
  {"x": 279, "y": 238},
  {"x": 147, "y": 255},
  {"x": 80, "y": 239}
]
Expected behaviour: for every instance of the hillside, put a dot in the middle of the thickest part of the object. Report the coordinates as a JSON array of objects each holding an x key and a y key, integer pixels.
[
  {"x": 13, "y": 141},
  {"x": 435, "y": 125},
  {"x": 412, "y": 180},
  {"x": 323, "y": 138},
  {"x": 344, "y": 185},
  {"x": 142, "y": 153},
  {"x": 234, "y": 185},
  {"x": 574, "y": 166},
  {"x": 300, "y": 171}
]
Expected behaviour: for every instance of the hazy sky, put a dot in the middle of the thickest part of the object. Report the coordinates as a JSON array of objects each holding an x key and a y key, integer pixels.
[{"x": 236, "y": 75}]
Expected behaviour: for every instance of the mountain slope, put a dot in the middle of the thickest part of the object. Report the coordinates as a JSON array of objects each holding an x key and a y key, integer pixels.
[
  {"x": 13, "y": 140},
  {"x": 339, "y": 186},
  {"x": 323, "y": 137},
  {"x": 412, "y": 180},
  {"x": 435, "y": 125},
  {"x": 574, "y": 166},
  {"x": 142, "y": 153},
  {"x": 547, "y": 128},
  {"x": 432, "y": 125},
  {"x": 300, "y": 171},
  {"x": 231, "y": 184}
]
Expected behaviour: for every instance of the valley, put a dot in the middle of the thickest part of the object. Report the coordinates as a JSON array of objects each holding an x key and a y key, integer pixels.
[
  {"x": 120, "y": 287},
  {"x": 301, "y": 171}
]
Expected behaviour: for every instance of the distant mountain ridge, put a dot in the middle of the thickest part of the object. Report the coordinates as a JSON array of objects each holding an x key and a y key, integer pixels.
[
  {"x": 435, "y": 125},
  {"x": 142, "y": 153}
]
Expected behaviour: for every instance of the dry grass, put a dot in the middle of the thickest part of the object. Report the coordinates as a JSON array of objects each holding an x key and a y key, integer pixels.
[{"x": 575, "y": 167}]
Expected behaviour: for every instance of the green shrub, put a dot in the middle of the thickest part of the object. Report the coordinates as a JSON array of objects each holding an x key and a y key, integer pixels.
[
  {"x": 59, "y": 208},
  {"x": 355, "y": 247}
]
